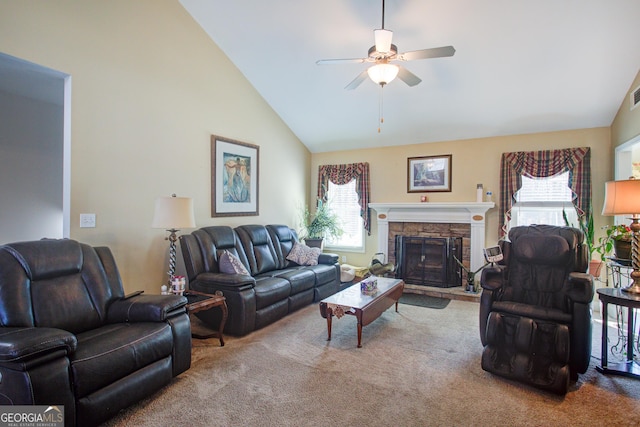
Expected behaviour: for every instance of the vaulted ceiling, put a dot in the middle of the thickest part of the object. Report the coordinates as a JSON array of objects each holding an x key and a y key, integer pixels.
[{"x": 519, "y": 66}]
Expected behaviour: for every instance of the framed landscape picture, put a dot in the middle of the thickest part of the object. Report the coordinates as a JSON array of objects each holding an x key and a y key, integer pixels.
[
  {"x": 429, "y": 173},
  {"x": 234, "y": 177}
]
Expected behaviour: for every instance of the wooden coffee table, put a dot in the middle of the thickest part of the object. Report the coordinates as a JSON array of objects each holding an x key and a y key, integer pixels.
[{"x": 365, "y": 307}]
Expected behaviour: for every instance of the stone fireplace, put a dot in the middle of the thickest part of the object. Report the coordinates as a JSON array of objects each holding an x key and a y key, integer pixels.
[{"x": 465, "y": 220}]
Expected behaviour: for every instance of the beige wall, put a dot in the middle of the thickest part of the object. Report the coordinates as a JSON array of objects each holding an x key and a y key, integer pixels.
[
  {"x": 473, "y": 161},
  {"x": 626, "y": 124},
  {"x": 148, "y": 90}
]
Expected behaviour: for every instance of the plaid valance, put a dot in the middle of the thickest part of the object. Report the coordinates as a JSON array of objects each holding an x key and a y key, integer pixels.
[
  {"x": 343, "y": 174},
  {"x": 542, "y": 164}
]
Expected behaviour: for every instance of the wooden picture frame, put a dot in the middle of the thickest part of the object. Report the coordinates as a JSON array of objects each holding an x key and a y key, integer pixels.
[
  {"x": 429, "y": 174},
  {"x": 234, "y": 177}
]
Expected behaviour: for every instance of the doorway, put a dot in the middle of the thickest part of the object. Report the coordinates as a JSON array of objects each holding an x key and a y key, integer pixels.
[{"x": 35, "y": 145}]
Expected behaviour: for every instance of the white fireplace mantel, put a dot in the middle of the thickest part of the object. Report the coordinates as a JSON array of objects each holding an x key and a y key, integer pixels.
[{"x": 440, "y": 212}]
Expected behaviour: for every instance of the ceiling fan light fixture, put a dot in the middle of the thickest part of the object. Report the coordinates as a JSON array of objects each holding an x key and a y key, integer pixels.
[
  {"x": 382, "y": 39},
  {"x": 382, "y": 74}
]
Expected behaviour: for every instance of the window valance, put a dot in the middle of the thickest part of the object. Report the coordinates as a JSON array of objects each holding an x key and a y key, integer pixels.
[
  {"x": 542, "y": 164},
  {"x": 343, "y": 174}
]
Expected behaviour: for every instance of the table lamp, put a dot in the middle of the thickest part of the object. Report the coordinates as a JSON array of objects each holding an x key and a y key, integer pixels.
[
  {"x": 623, "y": 198},
  {"x": 172, "y": 214}
]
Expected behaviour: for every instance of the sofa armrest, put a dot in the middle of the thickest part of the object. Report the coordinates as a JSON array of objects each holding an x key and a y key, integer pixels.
[
  {"x": 327, "y": 258},
  {"x": 579, "y": 287},
  {"x": 22, "y": 347},
  {"x": 146, "y": 308},
  {"x": 222, "y": 281}
]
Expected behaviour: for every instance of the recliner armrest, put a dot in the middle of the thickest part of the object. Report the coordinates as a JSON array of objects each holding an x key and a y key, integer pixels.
[
  {"x": 20, "y": 347},
  {"x": 327, "y": 258},
  {"x": 222, "y": 281},
  {"x": 579, "y": 287},
  {"x": 492, "y": 278},
  {"x": 146, "y": 308}
]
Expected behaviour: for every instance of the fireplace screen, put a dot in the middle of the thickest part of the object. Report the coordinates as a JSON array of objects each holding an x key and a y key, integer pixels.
[{"x": 429, "y": 261}]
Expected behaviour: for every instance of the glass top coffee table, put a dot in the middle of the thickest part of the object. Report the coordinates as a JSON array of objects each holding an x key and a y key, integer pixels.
[{"x": 366, "y": 307}]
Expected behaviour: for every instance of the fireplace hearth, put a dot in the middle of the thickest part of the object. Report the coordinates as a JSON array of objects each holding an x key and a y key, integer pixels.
[{"x": 429, "y": 261}]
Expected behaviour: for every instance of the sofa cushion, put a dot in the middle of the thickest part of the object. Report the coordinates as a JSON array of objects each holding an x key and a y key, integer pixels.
[
  {"x": 50, "y": 285},
  {"x": 283, "y": 239},
  {"x": 300, "y": 278},
  {"x": 303, "y": 254},
  {"x": 324, "y": 273},
  {"x": 270, "y": 290},
  {"x": 258, "y": 247},
  {"x": 114, "y": 351},
  {"x": 230, "y": 264}
]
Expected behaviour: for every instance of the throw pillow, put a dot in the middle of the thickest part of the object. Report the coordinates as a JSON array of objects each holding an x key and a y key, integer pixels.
[
  {"x": 230, "y": 264},
  {"x": 303, "y": 254}
]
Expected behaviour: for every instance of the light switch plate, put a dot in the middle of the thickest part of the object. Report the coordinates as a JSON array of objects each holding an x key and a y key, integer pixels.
[{"x": 87, "y": 220}]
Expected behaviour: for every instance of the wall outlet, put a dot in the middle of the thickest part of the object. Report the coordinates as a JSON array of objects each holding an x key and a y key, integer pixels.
[
  {"x": 344, "y": 258},
  {"x": 87, "y": 220}
]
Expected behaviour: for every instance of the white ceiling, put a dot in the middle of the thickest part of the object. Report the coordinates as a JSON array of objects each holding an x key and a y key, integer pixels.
[{"x": 519, "y": 67}]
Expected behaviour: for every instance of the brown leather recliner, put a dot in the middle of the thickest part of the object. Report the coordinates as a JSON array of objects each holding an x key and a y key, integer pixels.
[
  {"x": 69, "y": 336},
  {"x": 535, "y": 309}
]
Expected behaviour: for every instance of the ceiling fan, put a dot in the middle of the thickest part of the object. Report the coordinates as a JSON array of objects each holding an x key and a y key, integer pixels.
[{"x": 382, "y": 54}]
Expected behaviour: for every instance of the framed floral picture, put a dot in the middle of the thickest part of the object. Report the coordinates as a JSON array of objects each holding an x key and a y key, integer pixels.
[
  {"x": 429, "y": 173},
  {"x": 234, "y": 177}
]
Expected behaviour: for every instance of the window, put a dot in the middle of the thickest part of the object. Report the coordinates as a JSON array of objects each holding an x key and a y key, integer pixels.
[
  {"x": 543, "y": 200},
  {"x": 343, "y": 201},
  {"x": 545, "y": 165}
]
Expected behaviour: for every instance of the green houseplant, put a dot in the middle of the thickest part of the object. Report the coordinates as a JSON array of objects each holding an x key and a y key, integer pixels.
[
  {"x": 617, "y": 239},
  {"x": 322, "y": 223},
  {"x": 586, "y": 225}
]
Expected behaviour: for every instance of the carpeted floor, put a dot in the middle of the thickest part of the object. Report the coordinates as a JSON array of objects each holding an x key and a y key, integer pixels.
[
  {"x": 424, "y": 301},
  {"x": 417, "y": 367}
]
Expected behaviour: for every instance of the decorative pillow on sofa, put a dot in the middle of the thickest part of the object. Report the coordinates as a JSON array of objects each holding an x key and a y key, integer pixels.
[
  {"x": 230, "y": 264},
  {"x": 303, "y": 254}
]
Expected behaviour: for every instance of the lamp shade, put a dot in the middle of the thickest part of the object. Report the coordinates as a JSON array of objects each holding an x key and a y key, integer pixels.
[
  {"x": 383, "y": 73},
  {"x": 174, "y": 213},
  {"x": 621, "y": 197}
]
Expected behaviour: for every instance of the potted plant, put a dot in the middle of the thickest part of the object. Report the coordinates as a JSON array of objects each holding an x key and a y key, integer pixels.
[
  {"x": 323, "y": 223},
  {"x": 586, "y": 225},
  {"x": 617, "y": 239}
]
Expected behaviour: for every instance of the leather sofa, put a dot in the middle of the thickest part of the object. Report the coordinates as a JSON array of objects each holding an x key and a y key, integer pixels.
[
  {"x": 535, "y": 309},
  {"x": 274, "y": 287},
  {"x": 69, "y": 335}
]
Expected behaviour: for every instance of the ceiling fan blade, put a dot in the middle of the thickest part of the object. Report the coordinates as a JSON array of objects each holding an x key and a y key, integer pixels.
[
  {"x": 436, "y": 52},
  {"x": 408, "y": 77},
  {"x": 341, "y": 61},
  {"x": 357, "y": 81}
]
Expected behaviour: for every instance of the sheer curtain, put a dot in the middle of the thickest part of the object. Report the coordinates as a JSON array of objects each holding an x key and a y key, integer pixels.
[
  {"x": 542, "y": 164},
  {"x": 343, "y": 174}
]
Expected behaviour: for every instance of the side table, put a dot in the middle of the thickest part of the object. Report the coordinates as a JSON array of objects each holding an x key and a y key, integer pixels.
[
  {"x": 199, "y": 301},
  {"x": 616, "y": 296}
]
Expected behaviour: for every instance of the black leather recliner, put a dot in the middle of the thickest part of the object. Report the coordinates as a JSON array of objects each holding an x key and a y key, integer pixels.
[
  {"x": 535, "y": 309},
  {"x": 69, "y": 336}
]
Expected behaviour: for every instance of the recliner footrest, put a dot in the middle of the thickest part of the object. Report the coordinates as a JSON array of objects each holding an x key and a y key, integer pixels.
[{"x": 528, "y": 350}]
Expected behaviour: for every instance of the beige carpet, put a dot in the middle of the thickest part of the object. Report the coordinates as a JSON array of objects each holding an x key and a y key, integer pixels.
[{"x": 418, "y": 367}]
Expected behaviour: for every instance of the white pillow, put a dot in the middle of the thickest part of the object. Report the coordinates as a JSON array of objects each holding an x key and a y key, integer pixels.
[{"x": 303, "y": 254}]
